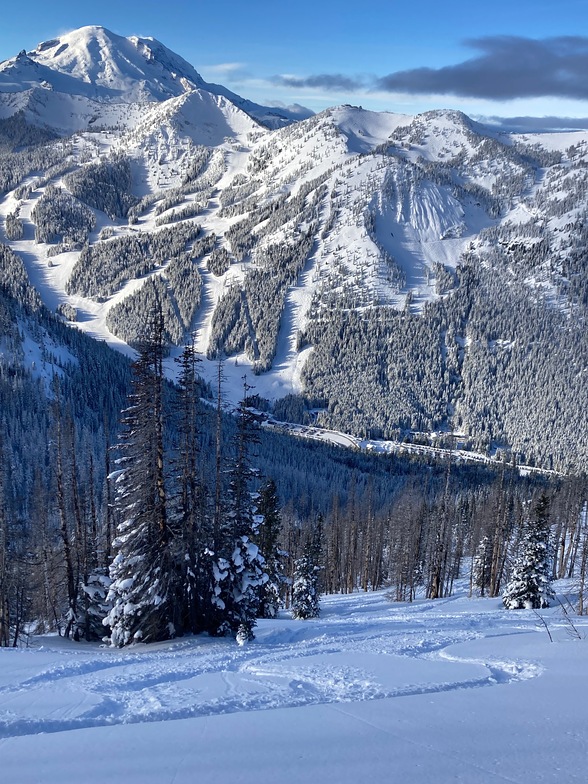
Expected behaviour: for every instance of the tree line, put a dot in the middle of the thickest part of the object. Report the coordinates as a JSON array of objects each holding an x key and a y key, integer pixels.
[{"x": 179, "y": 533}]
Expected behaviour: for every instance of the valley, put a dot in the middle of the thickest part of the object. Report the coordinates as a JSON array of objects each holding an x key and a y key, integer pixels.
[
  {"x": 413, "y": 224},
  {"x": 293, "y": 408}
]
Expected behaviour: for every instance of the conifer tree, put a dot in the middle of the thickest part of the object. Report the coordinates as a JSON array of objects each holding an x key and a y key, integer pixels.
[
  {"x": 440, "y": 543},
  {"x": 482, "y": 566},
  {"x": 239, "y": 570},
  {"x": 305, "y": 588},
  {"x": 142, "y": 572},
  {"x": 96, "y": 603},
  {"x": 192, "y": 529},
  {"x": 268, "y": 532},
  {"x": 529, "y": 586},
  {"x": 65, "y": 527}
]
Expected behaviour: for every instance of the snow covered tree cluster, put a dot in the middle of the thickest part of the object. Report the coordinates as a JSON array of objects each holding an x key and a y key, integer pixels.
[
  {"x": 105, "y": 186},
  {"x": 178, "y": 293},
  {"x": 529, "y": 586},
  {"x": 20, "y": 158},
  {"x": 14, "y": 281},
  {"x": 59, "y": 217},
  {"x": 105, "y": 266},
  {"x": 191, "y": 210},
  {"x": 187, "y": 560},
  {"x": 219, "y": 261},
  {"x": 13, "y": 226},
  {"x": 249, "y": 319},
  {"x": 204, "y": 170}
]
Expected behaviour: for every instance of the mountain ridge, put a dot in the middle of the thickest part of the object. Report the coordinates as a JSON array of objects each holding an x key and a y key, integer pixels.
[
  {"x": 100, "y": 65},
  {"x": 381, "y": 273}
]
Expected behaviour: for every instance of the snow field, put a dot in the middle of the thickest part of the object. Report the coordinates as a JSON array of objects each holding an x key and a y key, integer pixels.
[{"x": 459, "y": 689}]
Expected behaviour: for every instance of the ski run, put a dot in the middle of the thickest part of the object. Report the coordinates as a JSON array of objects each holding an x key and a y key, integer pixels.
[{"x": 453, "y": 690}]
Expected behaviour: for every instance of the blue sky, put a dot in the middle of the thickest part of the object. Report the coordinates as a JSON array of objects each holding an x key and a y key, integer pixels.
[{"x": 507, "y": 58}]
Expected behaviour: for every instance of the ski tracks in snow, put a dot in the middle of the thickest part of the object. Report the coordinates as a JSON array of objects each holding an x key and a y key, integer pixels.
[{"x": 363, "y": 648}]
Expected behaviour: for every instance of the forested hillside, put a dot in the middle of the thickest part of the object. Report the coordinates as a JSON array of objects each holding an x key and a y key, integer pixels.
[
  {"x": 385, "y": 275},
  {"x": 415, "y": 279}
]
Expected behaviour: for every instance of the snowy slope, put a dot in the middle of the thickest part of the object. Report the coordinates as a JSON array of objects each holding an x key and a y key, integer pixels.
[
  {"x": 456, "y": 690},
  {"x": 203, "y": 118},
  {"x": 364, "y": 129},
  {"x": 97, "y": 64},
  {"x": 388, "y": 203}
]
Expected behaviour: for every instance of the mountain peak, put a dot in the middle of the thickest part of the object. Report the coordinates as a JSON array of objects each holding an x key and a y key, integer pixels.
[
  {"x": 107, "y": 65},
  {"x": 98, "y": 64}
]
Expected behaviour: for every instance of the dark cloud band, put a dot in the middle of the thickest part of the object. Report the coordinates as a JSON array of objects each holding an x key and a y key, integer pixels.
[
  {"x": 530, "y": 124},
  {"x": 331, "y": 82},
  {"x": 508, "y": 67}
]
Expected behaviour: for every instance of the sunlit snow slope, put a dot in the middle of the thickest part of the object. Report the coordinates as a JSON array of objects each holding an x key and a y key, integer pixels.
[
  {"x": 456, "y": 690},
  {"x": 348, "y": 210}
]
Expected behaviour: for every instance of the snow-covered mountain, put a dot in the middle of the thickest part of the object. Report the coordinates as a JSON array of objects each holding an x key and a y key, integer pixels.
[
  {"x": 99, "y": 65},
  {"x": 380, "y": 273}
]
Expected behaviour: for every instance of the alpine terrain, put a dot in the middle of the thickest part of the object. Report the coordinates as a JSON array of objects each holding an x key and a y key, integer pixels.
[
  {"x": 387, "y": 276},
  {"x": 325, "y": 505}
]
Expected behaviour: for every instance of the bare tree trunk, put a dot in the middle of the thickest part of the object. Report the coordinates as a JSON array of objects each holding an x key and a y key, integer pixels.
[
  {"x": 4, "y": 576},
  {"x": 72, "y": 584}
]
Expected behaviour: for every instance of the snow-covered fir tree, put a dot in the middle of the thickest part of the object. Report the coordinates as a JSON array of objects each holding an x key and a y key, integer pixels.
[
  {"x": 529, "y": 586},
  {"x": 268, "y": 532},
  {"x": 239, "y": 571},
  {"x": 482, "y": 567},
  {"x": 305, "y": 587},
  {"x": 95, "y": 592},
  {"x": 142, "y": 571}
]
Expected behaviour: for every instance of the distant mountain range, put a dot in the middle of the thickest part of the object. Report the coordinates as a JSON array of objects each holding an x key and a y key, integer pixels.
[{"x": 386, "y": 275}]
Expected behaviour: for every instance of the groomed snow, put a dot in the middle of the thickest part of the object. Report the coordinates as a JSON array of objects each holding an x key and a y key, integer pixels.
[{"x": 457, "y": 690}]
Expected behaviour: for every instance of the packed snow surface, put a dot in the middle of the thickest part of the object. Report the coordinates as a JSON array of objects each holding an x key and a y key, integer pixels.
[{"x": 456, "y": 690}]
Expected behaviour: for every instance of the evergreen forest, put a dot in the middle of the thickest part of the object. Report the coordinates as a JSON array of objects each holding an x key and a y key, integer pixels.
[{"x": 134, "y": 509}]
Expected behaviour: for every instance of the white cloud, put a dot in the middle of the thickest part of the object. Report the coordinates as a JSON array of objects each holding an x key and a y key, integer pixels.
[{"x": 225, "y": 69}]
